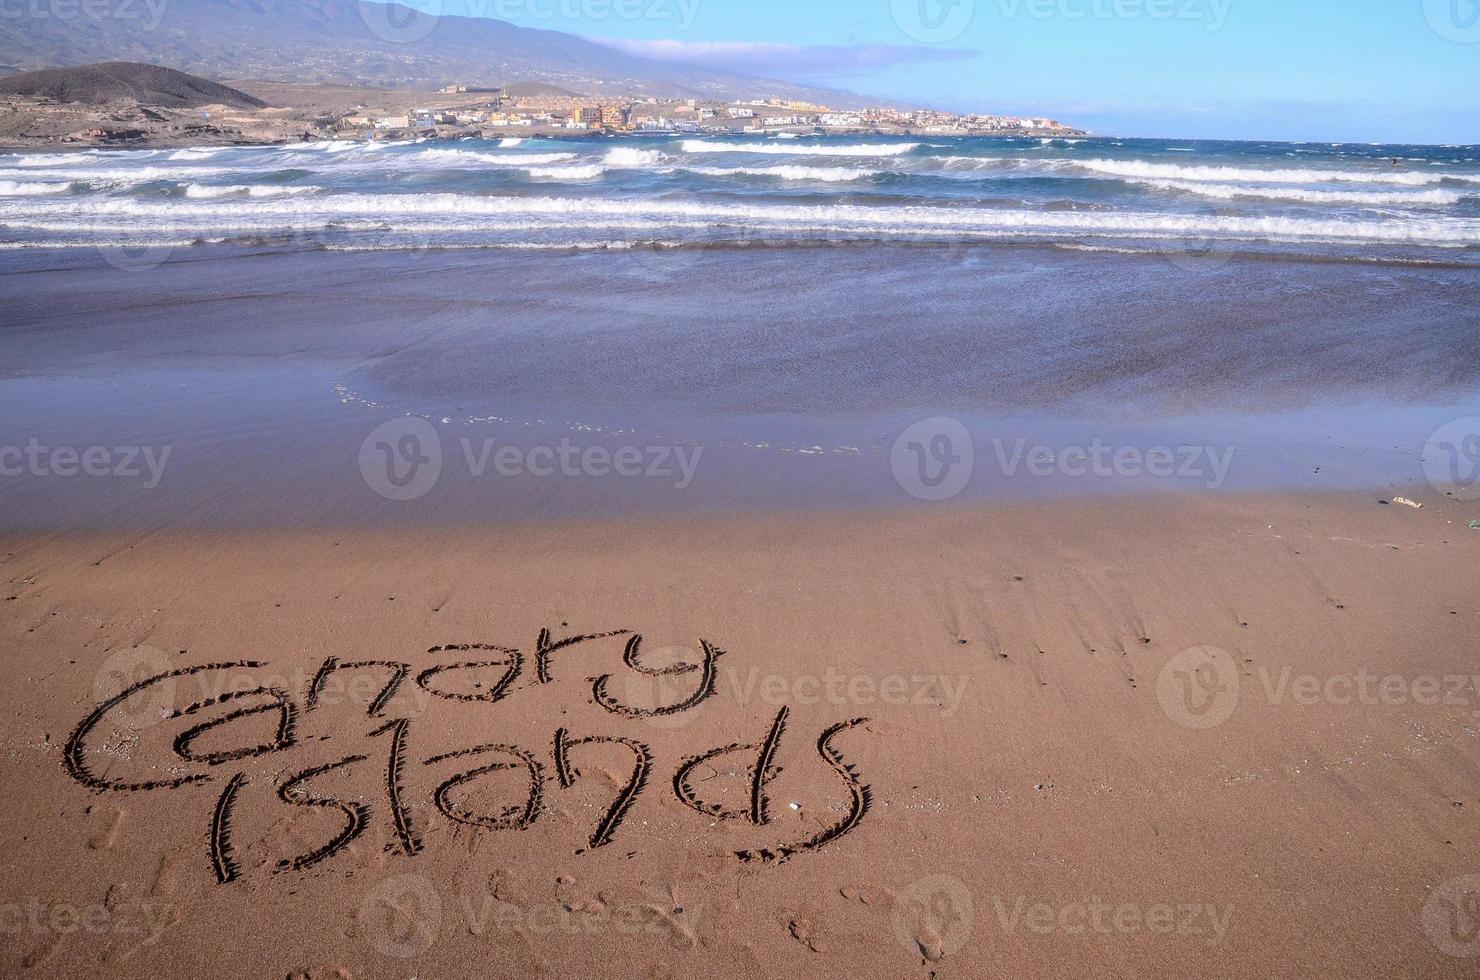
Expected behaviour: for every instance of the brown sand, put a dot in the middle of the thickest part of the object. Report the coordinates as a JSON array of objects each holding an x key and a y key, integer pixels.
[{"x": 1033, "y": 805}]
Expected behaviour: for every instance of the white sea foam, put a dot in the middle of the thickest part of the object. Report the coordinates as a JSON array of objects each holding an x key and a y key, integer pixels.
[
  {"x": 206, "y": 192},
  {"x": 509, "y": 142},
  {"x": 327, "y": 146},
  {"x": 468, "y": 158},
  {"x": 826, "y": 174},
  {"x": 195, "y": 153},
  {"x": 594, "y": 246},
  {"x": 31, "y": 188},
  {"x": 82, "y": 158},
  {"x": 128, "y": 175},
  {"x": 1168, "y": 171},
  {"x": 1229, "y": 192},
  {"x": 631, "y": 157},
  {"x": 98, "y": 242},
  {"x": 442, "y": 211},
  {"x": 959, "y": 164},
  {"x": 588, "y": 171},
  {"x": 809, "y": 149}
]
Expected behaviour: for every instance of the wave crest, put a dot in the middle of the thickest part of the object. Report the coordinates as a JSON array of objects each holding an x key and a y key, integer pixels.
[
  {"x": 207, "y": 192},
  {"x": 839, "y": 175},
  {"x": 1240, "y": 175},
  {"x": 475, "y": 157},
  {"x": 804, "y": 149}
]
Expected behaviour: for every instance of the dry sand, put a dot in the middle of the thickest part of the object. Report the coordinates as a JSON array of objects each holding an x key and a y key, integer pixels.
[{"x": 1043, "y": 799}]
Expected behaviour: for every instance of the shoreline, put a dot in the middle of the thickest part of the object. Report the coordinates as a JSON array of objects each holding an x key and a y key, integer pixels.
[
  {"x": 270, "y": 406},
  {"x": 49, "y": 145},
  {"x": 270, "y": 380}
]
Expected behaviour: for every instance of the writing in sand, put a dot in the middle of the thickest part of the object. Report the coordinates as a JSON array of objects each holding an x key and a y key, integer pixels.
[{"x": 250, "y": 714}]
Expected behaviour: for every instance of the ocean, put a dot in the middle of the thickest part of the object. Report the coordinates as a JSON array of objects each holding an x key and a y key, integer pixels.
[
  {"x": 755, "y": 324},
  {"x": 1182, "y": 198}
]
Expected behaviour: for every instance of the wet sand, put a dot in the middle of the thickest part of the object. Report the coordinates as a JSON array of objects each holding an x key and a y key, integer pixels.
[
  {"x": 746, "y": 381},
  {"x": 822, "y": 713}
]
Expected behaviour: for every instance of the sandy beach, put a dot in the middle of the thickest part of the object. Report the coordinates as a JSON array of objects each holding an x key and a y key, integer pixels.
[
  {"x": 324, "y": 659},
  {"x": 1042, "y": 784}
]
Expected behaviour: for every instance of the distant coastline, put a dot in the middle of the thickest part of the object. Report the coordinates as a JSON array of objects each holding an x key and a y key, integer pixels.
[{"x": 294, "y": 113}]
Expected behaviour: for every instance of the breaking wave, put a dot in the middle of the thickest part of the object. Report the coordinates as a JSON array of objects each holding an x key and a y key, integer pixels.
[
  {"x": 474, "y": 157},
  {"x": 1169, "y": 171},
  {"x": 205, "y": 192},
  {"x": 453, "y": 211},
  {"x": 24, "y": 188},
  {"x": 579, "y": 172},
  {"x": 825, "y": 174},
  {"x": 1231, "y": 192},
  {"x": 802, "y": 149}
]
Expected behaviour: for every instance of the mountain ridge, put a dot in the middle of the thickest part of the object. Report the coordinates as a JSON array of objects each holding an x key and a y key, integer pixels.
[{"x": 359, "y": 42}]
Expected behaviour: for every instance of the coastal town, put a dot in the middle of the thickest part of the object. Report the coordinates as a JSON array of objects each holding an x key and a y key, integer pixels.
[{"x": 501, "y": 112}]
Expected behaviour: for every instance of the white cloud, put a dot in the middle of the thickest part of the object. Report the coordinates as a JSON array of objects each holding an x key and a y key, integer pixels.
[{"x": 786, "y": 60}]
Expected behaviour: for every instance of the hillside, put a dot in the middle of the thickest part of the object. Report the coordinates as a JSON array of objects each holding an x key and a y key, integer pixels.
[
  {"x": 351, "y": 43},
  {"x": 112, "y": 81}
]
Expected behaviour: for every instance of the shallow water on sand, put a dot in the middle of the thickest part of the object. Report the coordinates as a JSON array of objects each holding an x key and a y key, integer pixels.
[{"x": 602, "y": 384}]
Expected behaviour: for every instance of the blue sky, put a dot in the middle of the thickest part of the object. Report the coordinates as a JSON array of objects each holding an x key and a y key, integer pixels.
[{"x": 1361, "y": 70}]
